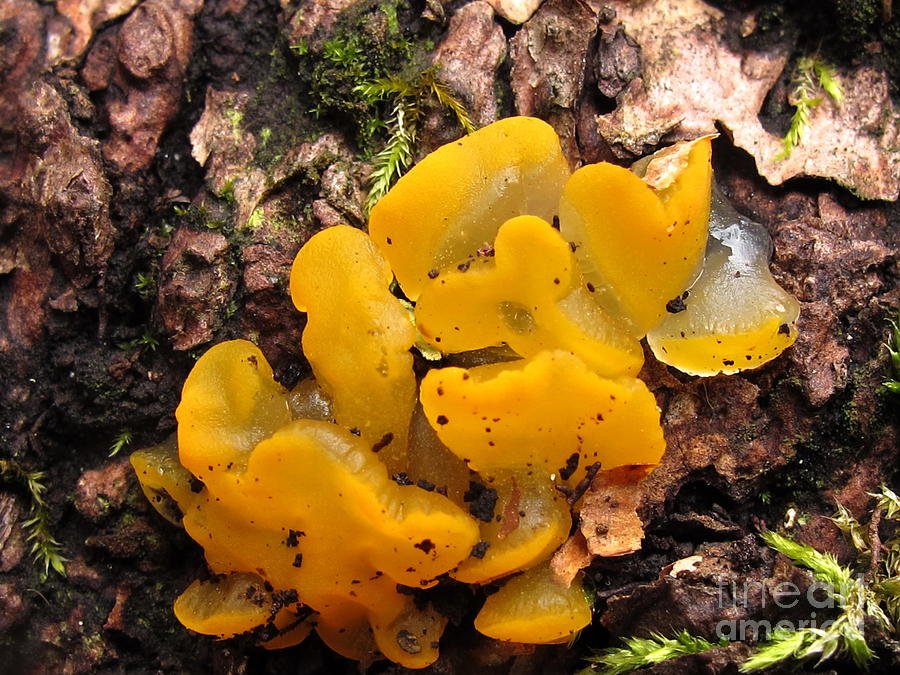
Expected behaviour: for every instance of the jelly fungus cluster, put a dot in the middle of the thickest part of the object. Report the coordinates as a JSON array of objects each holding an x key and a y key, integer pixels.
[{"x": 336, "y": 505}]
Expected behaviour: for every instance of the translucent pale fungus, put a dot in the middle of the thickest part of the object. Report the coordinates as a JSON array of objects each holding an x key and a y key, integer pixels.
[
  {"x": 307, "y": 401},
  {"x": 534, "y": 607},
  {"x": 357, "y": 337},
  {"x": 540, "y": 412},
  {"x": 530, "y": 302},
  {"x": 639, "y": 247},
  {"x": 166, "y": 484},
  {"x": 431, "y": 464},
  {"x": 451, "y": 203},
  {"x": 735, "y": 316}
]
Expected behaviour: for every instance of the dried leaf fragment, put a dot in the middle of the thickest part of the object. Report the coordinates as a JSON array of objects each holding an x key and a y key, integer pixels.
[{"x": 609, "y": 520}]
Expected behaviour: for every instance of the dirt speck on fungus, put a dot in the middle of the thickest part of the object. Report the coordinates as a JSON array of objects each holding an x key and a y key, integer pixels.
[
  {"x": 408, "y": 642},
  {"x": 482, "y": 500}
]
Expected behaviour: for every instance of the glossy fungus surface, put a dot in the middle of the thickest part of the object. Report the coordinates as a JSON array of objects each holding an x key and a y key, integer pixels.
[
  {"x": 529, "y": 302},
  {"x": 452, "y": 203},
  {"x": 539, "y": 412},
  {"x": 640, "y": 246},
  {"x": 735, "y": 316},
  {"x": 346, "y": 503}
]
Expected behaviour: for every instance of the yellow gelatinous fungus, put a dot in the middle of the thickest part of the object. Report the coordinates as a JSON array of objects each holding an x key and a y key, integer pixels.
[
  {"x": 639, "y": 247},
  {"x": 164, "y": 481},
  {"x": 529, "y": 302},
  {"x": 534, "y": 607},
  {"x": 529, "y": 521},
  {"x": 224, "y": 606},
  {"x": 430, "y": 461},
  {"x": 232, "y": 604},
  {"x": 229, "y": 403},
  {"x": 735, "y": 316},
  {"x": 312, "y": 509},
  {"x": 357, "y": 337},
  {"x": 540, "y": 412},
  {"x": 451, "y": 203},
  {"x": 336, "y": 505}
]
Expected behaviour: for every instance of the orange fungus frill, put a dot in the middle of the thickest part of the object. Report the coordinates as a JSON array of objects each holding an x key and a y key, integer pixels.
[
  {"x": 451, "y": 203},
  {"x": 639, "y": 247},
  {"x": 337, "y": 505},
  {"x": 539, "y": 412},
  {"x": 535, "y": 607},
  {"x": 313, "y": 512},
  {"x": 528, "y": 302},
  {"x": 357, "y": 337}
]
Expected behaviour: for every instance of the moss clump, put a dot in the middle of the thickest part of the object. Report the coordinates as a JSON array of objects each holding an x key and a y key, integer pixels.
[
  {"x": 856, "y": 19},
  {"x": 858, "y": 22},
  {"x": 370, "y": 40}
]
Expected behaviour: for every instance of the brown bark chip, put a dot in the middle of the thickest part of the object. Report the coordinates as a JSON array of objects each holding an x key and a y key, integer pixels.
[
  {"x": 609, "y": 521},
  {"x": 468, "y": 57},
  {"x": 696, "y": 72},
  {"x": 153, "y": 48},
  {"x": 195, "y": 288},
  {"x": 548, "y": 60}
]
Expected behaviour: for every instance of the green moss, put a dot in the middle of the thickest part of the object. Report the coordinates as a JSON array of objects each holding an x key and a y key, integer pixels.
[
  {"x": 202, "y": 216},
  {"x": 226, "y": 193},
  {"x": 849, "y": 422},
  {"x": 255, "y": 220},
  {"x": 235, "y": 117},
  {"x": 770, "y": 17},
  {"x": 856, "y": 19},
  {"x": 150, "y": 609},
  {"x": 860, "y": 22},
  {"x": 370, "y": 40},
  {"x": 819, "y": 458},
  {"x": 408, "y": 98}
]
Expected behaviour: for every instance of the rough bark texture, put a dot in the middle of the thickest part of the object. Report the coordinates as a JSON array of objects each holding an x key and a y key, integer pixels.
[{"x": 161, "y": 162}]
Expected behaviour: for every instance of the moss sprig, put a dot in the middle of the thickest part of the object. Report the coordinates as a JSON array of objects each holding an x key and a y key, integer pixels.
[
  {"x": 120, "y": 442},
  {"x": 395, "y": 157},
  {"x": 145, "y": 285},
  {"x": 812, "y": 77},
  {"x": 45, "y": 549},
  {"x": 407, "y": 98},
  {"x": 824, "y": 566},
  {"x": 145, "y": 341},
  {"x": 854, "y": 598},
  {"x": 872, "y": 598},
  {"x": 641, "y": 652},
  {"x": 893, "y": 346},
  {"x": 889, "y": 502}
]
